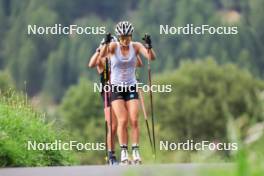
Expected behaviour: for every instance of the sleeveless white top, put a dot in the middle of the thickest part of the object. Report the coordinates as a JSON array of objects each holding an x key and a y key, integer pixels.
[{"x": 123, "y": 68}]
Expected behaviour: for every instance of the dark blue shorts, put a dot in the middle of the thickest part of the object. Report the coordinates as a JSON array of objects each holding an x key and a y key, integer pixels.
[{"x": 122, "y": 93}]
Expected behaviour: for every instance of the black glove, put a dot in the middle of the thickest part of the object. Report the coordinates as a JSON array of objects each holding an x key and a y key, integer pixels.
[
  {"x": 107, "y": 38},
  {"x": 147, "y": 40}
]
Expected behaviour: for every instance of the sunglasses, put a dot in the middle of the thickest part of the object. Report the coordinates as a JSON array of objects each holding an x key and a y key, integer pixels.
[{"x": 125, "y": 37}]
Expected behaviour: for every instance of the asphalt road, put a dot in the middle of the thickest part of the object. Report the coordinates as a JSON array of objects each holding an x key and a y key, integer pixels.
[{"x": 102, "y": 170}]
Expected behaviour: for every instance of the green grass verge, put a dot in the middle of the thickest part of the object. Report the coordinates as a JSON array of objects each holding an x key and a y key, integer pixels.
[{"x": 19, "y": 123}]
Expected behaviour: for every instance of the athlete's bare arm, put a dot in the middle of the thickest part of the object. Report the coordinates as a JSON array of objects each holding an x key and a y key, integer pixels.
[
  {"x": 93, "y": 60},
  {"x": 96, "y": 61},
  {"x": 139, "y": 61},
  {"x": 100, "y": 65}
]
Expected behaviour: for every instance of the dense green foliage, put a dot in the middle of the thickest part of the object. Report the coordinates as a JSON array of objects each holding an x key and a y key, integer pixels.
[
  {"x": 81, "y": 104},
  {"x": 208, "y": 96},
  {"x": 20, "y": 124},
  {"x": 54, "y": 62},
  {"x": 205, "y": 95},
  {"x": 82, "y": 112}
]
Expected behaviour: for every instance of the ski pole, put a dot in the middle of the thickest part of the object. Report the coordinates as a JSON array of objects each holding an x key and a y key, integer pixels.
[
  {"x": 106, "y": 128},
  {"x": 151, "y": 107},
  {"x": 105, "y": 107},
  {"x": 109, "y": 95},
  {"x": 146, "y": 118}
]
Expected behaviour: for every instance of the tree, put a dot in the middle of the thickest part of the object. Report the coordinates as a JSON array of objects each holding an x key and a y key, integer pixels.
[
  {"x": 3, "y": 24},
  {"x": 25, "y": 54},
  {"x": 81, "y": 110},
  {"x": 56, "y": 68},
  {"x": 203, "y": 95},
  {"x": 80, "y": 105}
]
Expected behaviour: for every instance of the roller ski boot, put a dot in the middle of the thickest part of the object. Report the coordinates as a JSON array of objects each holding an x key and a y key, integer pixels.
[
  {"x": 112, "y": 159},
  {"x": 136, "y": 159},
  {"x": 124, "y": 159}
]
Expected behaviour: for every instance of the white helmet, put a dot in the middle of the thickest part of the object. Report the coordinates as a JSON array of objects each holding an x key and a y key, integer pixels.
[{"x": 124, "y": 28}]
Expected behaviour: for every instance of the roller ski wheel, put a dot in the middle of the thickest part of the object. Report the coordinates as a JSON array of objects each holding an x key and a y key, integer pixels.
[
  {"x": 136, "y": 162},
  {"x": 125, "y": 162}
]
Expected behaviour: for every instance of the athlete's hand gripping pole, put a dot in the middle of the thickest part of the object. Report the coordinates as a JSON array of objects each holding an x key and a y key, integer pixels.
[{"x": 105, "y": 43}]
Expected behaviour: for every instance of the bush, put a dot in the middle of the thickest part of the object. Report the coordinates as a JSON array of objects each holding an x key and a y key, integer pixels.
[
  {"x": 204, "y": 95},
  {"x": 81, "y": 104},
  {"x": 82, "y": 112},
  {"x": 19, "y": 123}
]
